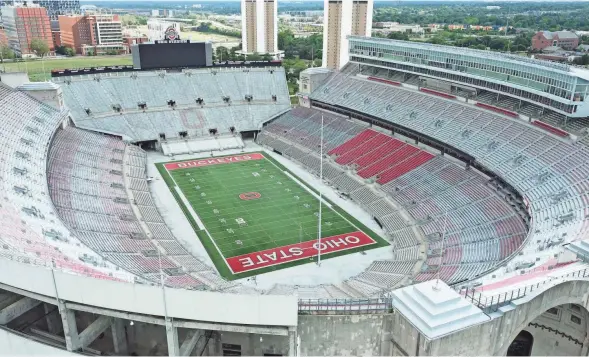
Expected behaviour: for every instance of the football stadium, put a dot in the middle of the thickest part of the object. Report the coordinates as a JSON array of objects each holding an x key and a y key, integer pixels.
[{"x": 416, "y": 200}]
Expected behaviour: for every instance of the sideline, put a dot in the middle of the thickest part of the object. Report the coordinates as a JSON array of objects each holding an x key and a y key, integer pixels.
[{"x": 199, "y": 223}]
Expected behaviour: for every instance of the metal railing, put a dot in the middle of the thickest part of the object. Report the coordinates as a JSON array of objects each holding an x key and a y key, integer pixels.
[
  {"x": 494, "y": 302},
  {"x": 345, "y": 306}
]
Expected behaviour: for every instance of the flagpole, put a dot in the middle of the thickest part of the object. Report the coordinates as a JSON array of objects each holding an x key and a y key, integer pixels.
[{"x": 320, "y": 198}]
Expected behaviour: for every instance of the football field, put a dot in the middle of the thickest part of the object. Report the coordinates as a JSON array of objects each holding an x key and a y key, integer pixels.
[{"x": 254, "y": 216}]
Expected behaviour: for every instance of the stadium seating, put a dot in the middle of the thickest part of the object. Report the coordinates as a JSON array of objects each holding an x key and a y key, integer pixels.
[
  {"x": 98, "y": 186},
  {"x": 80, "y": 201},
  {"x": 529, "y": 159},
  {"x": 31, "y": 232},
  {"x": 436, "y": 193},
  {"x": 100, "y": 95}
]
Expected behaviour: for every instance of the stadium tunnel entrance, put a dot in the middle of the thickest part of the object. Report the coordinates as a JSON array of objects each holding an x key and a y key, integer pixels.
[{"x": 558, "y": 331}]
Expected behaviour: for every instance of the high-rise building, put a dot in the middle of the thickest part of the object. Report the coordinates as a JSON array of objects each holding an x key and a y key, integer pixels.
[
  {"x": 22, "y": 24},
  {"x": 54, "y": 7},
  {"x": 259, "y": 26},
  {"x": 343, "y": 18},
  {"x": 98, "y": 33}
]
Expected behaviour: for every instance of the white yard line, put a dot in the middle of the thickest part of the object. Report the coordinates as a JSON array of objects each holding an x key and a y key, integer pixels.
[
  {"x": 199, "y": 223},
  {"x": 196, "y": 218},
  {"x": 313, "y": 193},
  {"x": 317, "y": 196}
]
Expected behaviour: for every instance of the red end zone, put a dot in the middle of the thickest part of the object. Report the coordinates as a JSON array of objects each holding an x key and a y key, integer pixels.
[
  {"x": 212, "y": 161},
  {"x": 289, "y": 253}
]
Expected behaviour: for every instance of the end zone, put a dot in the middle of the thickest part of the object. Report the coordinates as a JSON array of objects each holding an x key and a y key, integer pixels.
[
  {"x": 212, "y": 161},
  {"x": 298, "y": 251}
]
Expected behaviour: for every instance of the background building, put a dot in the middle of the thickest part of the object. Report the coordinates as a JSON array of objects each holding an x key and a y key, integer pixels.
[
  {"x": 54, "y": 7},
  {"x": 156, "y": 29},
  {"x": 22, "y": 24},
  {"x": 564, "y": 39},
  {"x": 259, "y": 26},
  {"x": 100, "y": 33},
  {"x": 343, "y": 18}
]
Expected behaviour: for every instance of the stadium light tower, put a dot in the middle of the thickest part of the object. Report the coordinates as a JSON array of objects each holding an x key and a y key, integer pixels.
[{"x": 320, "y": 197}]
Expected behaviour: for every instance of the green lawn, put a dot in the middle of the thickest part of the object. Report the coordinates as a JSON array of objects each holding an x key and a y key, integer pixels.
[
  {"x": 35, "y": 67},
  {"x": 285, "y": 214}
]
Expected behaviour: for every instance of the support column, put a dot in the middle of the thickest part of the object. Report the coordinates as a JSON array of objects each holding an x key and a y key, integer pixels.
[
  {"x": 255, "y": 347},
  {"x": 190, "y": 342},
  {"x": 292, "y": 343},
  {"x": 215, "y": 348},
  {"x": 16, "y": 309},
  {"x": 52, "y": 318},
  {"x": 70, "y": 328},
  {"x": 172, "y": 337},
  {"x": 119, "y": 337},
  {"x": 94, "y": 330}
]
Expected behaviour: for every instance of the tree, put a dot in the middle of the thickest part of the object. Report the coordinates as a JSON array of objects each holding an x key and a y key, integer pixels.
[
  {"x": 398, "y": 36},
  {"x": 267, "y": 57},
  {"x": 222, "y": 54},
  {"x": 66, "y": 51},
  {"x": 39, "y": 47},
  {"x": 70, "y": 52},
  {"x": 6, "y": 53},
  {"x": 254, "y": 57},
  {"x": 583, "y": 60}
]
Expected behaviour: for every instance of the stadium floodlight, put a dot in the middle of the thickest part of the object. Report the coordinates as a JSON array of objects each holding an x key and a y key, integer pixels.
[{"x": 320, "y": 197}]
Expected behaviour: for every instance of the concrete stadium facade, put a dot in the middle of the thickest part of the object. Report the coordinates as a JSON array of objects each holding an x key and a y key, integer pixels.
[{"x": 253, "y": 319}]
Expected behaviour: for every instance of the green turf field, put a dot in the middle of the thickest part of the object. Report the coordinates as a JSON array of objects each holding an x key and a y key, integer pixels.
[{"x": 273, "y": 211}]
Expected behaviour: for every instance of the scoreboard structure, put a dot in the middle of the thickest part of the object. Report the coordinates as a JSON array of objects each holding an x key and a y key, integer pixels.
[{"x": 172, "y": 52}]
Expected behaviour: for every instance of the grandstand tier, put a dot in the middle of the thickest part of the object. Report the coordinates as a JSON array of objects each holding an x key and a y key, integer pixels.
[
  {"x": 140, "y": 106},
  {"x": 439, "y": 195},
  {"x": 548, "y": 170}
]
